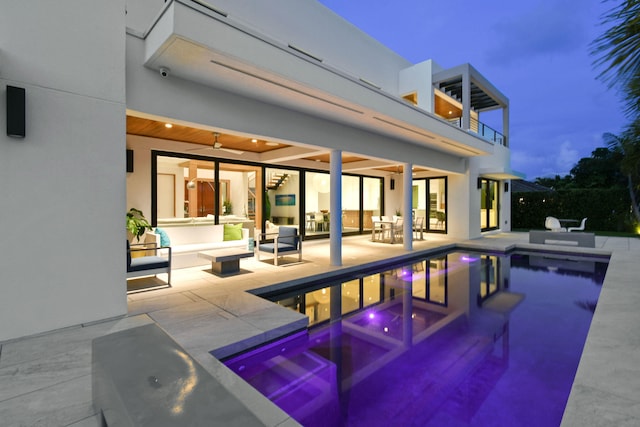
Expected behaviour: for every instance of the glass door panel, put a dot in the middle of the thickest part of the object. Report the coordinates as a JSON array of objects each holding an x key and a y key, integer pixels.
[
  {"x": 317, "y": 203},
  {"x": 350, "y": 203},
  {"x": 488, "y": 205},
  {"x": 282, "y": 197},
  {"x": 371, "y": 201},
  {"x": 239, "y": 200}
]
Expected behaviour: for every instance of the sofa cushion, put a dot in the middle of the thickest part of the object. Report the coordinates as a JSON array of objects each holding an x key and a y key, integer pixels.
[
  {"x": 148, "y": 263},
  {"x": 287, "y": 236},
  {"x": 199, "y": 247},
  {"x": 282, "y": 248},
  {"x": 232, "y": 232}
]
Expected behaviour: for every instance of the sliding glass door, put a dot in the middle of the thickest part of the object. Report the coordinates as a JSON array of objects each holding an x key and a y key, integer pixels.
[
  {"x": 429, "y": 202},
  {"x": 488, "y": 204}
]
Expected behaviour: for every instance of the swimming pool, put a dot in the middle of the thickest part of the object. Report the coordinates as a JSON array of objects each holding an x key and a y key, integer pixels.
[{"x": 461, "y": 339}]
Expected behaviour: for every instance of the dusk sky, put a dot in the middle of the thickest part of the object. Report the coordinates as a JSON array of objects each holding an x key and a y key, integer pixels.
[{"x": 535, "y": 52}]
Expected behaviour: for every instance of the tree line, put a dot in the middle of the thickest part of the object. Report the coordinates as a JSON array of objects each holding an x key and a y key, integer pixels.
[{"x": 617, "y": 55}]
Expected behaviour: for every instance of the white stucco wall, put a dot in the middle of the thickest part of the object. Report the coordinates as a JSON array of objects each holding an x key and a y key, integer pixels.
[
  {"x": 305, "y": 24},
  {"x": 63, "y": 186}
]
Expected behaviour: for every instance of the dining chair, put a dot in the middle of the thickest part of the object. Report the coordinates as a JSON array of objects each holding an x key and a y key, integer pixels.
[
  {"x": 398, "y": 232},
  {"x": 376, "y": 228},
  {"x": 418, "y": 224},
  {"x": 553, "y": 224},
  {"x": 580, "y": 228},
  {"x": 310, "y": 222}
]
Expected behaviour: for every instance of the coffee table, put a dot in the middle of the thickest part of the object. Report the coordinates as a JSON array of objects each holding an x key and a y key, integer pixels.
[{"x": 225, "y": 261}]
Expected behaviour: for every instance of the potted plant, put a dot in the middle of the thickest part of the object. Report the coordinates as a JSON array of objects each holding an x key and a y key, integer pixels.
[
  {"x": 227, "y": 207},
  {"x": 137, "y": 224}
]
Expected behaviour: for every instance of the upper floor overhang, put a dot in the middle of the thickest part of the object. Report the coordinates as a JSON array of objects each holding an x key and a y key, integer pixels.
[{"x": 198, "y": 43}]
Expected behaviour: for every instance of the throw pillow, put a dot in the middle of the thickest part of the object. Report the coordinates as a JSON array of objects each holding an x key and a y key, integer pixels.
[
  {"x": 164, "y": 237},
  {"x": 232, "y": 232}
]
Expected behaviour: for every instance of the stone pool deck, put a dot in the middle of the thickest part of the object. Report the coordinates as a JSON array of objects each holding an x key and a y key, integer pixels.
[{"x": 45, "y": 380}]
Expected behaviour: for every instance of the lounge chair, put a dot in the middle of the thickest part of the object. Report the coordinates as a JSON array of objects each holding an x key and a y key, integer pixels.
[
  {"x": 286, "y": 242},
  {"x": 148, "y": 265}
]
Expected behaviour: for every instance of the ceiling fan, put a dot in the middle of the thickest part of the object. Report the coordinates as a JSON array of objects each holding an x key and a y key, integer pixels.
[{"x": 218, "y": 146}]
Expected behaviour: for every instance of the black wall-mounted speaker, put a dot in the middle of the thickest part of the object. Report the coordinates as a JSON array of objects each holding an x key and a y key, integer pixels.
[
  {"x": 129, "y": 160},
  {"x": 392, "y": 184},
  {"x": 16, "y": 107},
  {"x": 506, "y": 187}
]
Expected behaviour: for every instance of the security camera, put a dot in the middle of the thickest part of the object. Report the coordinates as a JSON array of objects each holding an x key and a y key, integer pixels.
[{"x": 164, "y": 71}]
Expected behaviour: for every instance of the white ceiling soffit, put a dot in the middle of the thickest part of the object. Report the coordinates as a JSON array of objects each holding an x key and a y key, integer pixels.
[
  {"x": 501, "y": 174},
  {"x": 260, "y": 68}
]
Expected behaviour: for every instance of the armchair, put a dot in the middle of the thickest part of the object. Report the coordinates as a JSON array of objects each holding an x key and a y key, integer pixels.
[
  {"x": 148, "y": 265},
  {"x": 286, "y": 242}
]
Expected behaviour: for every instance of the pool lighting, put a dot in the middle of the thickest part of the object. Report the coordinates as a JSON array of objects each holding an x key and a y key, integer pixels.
[
  {"x": 372, "y": 315},
  {"x": 468, "y": 258}
]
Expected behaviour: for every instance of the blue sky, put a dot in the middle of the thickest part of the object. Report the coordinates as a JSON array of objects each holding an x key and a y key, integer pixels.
[{"x": 534, "y": 52}]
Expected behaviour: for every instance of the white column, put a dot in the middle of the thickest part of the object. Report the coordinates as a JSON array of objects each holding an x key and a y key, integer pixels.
[
  {"x": 466, "y": 100},
  {"x": 407, "y": 196},
  {"x": 505, "y": 124},
  {"x": 335, "y": 228}
]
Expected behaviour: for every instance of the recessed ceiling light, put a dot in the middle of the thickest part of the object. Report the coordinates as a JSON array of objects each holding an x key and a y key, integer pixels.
[
  {"x": 272, "y": 144},
  {"x": 168, "y": 125},
  {"x": 254, "y": 140},
  {"x": 450, "y": 112},
  {"x": 318, "y": 160}
]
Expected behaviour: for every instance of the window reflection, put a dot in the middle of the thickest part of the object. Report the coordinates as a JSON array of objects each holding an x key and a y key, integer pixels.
[{"x": 489, "y": 276}]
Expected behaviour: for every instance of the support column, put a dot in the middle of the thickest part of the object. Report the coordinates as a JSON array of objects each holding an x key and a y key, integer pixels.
[
  {"x": 335, "y": 227},
  {"x": 407, "y": 205},
  {"x": 505, "y": 124},
  {"x": 466, "y": 100}
]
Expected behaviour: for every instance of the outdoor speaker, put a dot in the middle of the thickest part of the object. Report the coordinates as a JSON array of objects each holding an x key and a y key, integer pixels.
[
  {"x": 15, "y": 111},
  {"x": 392, "y": 184},
  {"x": 506, "y": 187},
  {"x": 129, "y": 160}
]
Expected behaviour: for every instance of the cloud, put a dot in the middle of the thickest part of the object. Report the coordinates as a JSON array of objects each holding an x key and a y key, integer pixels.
[
  {"x": 558, "y": 160},
  {"x": 548, "y": 29},
  {"x": 567, "y": 157}
]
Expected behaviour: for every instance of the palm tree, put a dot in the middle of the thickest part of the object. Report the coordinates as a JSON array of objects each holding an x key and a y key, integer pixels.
[
  {"x": 618, "y": 50},
  {"x": 627, "y": 145}
]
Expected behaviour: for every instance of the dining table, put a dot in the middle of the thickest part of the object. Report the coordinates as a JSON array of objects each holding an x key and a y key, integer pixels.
[
  {"x": 389, "y": 225},
  {"x": 567, "y": 222}
]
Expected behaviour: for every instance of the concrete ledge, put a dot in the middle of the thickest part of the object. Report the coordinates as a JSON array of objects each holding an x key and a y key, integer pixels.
[
  {"x": 561, "y": 237},
  {"x": 142, "y": 377}
]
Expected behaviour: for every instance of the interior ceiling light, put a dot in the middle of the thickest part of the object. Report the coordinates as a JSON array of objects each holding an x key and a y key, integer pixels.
[
  {"x": 168, "y": 125},
  {"x": 254, "y": 140},
  {"x": 272, "y": 144}
]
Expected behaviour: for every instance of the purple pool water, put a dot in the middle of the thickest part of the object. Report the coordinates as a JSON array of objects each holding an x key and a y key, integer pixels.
[{"x": 461, "y": 339}]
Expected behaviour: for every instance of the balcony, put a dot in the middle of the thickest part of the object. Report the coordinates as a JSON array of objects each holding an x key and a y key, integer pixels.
[{"x": 485, "y": 131}]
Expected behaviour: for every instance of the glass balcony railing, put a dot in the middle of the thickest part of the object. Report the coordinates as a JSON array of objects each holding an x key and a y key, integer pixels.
[{"x": 481, "y": 129}]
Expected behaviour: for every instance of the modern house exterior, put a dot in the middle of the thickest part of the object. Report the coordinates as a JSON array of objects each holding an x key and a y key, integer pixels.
[{"x": 264, "y": 112}]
